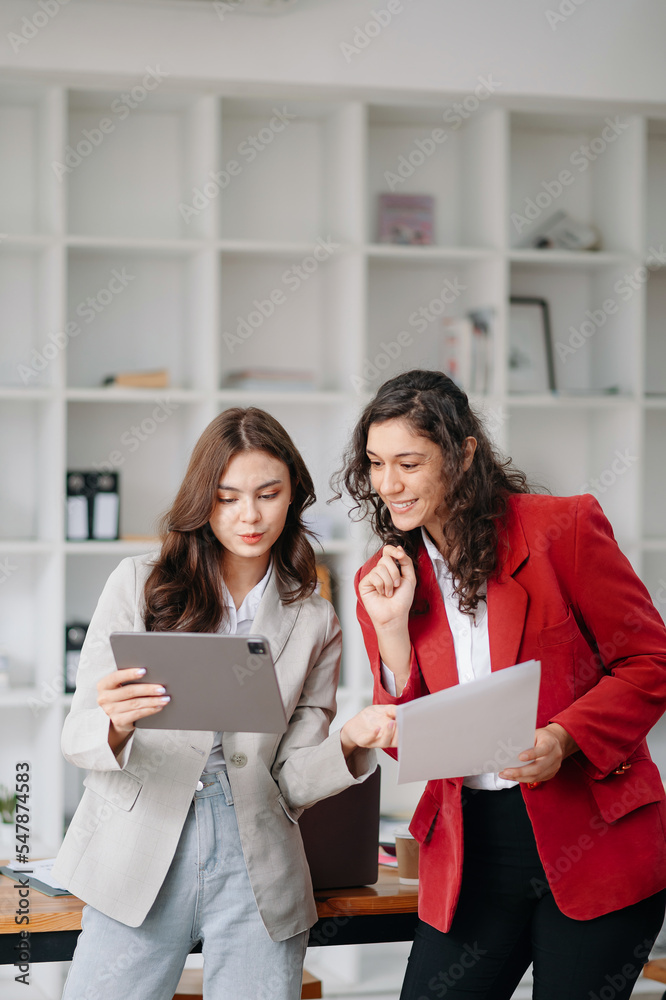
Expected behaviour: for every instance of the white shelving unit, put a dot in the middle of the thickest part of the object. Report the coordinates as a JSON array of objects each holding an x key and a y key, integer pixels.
[{"x": 136, "y": 258}]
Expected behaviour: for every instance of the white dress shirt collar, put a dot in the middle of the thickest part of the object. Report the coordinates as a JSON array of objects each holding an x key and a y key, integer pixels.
[{"x": 250, "y": 604}]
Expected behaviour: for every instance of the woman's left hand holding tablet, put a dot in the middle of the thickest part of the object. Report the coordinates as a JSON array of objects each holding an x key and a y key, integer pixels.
[
  {"x": 373, "y": 727},
  {"x": 125, "y": 701}
]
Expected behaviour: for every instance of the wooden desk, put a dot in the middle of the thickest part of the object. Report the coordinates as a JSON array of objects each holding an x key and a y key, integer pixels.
[{"x": 382, "y": 912}]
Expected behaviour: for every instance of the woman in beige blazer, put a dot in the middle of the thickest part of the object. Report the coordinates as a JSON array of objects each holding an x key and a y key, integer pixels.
[{"x": 193, "y": 836}]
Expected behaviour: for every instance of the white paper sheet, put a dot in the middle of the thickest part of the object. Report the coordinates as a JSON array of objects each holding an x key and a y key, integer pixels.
[
  {"x": 469, "y": 728},
  {"x": 38, "y": 869}
]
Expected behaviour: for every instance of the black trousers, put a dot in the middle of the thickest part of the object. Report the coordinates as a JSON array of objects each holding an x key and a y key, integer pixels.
[{"x": 506, "y": 918}]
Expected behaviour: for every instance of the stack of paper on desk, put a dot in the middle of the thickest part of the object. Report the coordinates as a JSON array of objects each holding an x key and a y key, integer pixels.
[
  {"x": 469, "y": 728},
  {"x": 38, "y": 874}
]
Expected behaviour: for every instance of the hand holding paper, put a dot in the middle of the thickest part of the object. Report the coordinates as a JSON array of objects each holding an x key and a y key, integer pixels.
[{"x": 470, "y": 728}]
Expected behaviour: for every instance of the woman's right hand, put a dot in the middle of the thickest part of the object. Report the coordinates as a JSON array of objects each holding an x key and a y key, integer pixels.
[
  {"x": 124, "y": 702},
  {"x": 387, "y": 591}
]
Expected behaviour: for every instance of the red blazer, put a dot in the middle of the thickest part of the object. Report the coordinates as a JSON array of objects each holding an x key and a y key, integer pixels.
[{"x": 567, "y": 596}]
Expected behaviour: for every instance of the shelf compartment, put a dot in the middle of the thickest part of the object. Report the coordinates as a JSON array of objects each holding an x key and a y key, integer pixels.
[
  {"x": 655, "y": 209},
  {"x": 406, "y": 305},
  {"x": 133, "y": 311},
  {"x": 602, "y": 159},
  {"x": 600, "y": 456},
  {"x": 155, "y": 137},
  {"x": 84, "y": 583},
  {"x": 655, "y": 333},
  {"x": 594, "y": 314},
  {"x": 29, "y": 621},
  {"x": 149, "y": 449},
  {"x": 465, "y": 157},
  {"x": 294, "y": 173},
  {"x": 654, "y": 578},
  {"x": 29, "y": 511},
  {"x": 27, "y": 180},
  {"x": 284, "y": 313},
  {"x": 31, "y": 349},
  {"x": 654, "y": 480}
]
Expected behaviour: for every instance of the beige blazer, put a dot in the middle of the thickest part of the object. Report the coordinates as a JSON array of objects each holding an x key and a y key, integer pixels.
[{"x": 124, "y": 833}]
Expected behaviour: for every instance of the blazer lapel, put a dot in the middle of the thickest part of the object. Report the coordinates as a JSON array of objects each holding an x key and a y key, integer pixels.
[
  {"x": 274, "y": 619},
  {"x": 429, "y": 629},
  {"x": 507, "y": 600}
]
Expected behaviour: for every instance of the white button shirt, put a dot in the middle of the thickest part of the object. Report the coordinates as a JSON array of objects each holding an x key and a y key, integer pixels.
[
  {"x": 238, "y": 622},
  {"x": 471, "y": 644}
]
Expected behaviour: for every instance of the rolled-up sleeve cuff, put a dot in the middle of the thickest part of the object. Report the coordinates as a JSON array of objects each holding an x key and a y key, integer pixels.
[
  {"x": 123, "y": 755},
  {"x": 385, "y": 686},
  {"x": 388, "y": 679}
]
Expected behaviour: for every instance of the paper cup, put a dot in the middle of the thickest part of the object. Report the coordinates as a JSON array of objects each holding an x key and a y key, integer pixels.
[{"x": 407, "y": 853}]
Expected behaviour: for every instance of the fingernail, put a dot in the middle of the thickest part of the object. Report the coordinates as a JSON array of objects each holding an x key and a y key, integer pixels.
[
  {"x": 160, "y": 690},
  {"x": 165, "y": 700},
  {"x": 139, "y": 672}
]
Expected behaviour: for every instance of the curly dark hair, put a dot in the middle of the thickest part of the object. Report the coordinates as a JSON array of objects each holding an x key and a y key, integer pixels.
[
  {"x": 183, "y": 591},
  {"x": 475, "y": 500}
]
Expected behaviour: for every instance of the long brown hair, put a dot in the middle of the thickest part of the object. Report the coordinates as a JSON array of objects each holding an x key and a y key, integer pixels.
[
  {"x": 475, "y": 500},
  {"x": 183, "y": 591}
]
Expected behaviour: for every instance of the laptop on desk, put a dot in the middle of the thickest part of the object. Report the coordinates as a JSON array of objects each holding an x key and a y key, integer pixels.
[{"x": 341, "y": 836}]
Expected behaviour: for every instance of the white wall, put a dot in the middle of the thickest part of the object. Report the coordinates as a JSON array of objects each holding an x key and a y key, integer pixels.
[{"x": 603, "y": 49}]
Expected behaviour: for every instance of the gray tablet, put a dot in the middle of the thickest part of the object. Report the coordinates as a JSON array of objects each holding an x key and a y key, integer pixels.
[{"x": 226, "y": 683}]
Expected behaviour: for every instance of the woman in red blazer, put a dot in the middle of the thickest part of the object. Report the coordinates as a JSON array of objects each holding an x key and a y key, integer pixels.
[{"x": 561, "y": 861}]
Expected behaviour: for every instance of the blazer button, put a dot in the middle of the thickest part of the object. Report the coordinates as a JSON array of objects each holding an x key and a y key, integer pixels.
[
  {"x": 622, "y": 768},
  {"x": 239, "y": 759}
]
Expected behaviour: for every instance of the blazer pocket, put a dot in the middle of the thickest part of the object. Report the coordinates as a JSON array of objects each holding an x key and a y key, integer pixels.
[
  {"x": 561, "y": 632},
  {"x": 120, "y": 788},
  {"x": 424, "y": 818},
  {"x": 292, "y": 814},
  {"x": 619, "y": 794}
]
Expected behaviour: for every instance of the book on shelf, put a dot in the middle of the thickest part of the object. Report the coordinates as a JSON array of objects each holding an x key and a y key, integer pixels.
[
  {"x": 158, "y": 379},
  {"x": 406, "y": 219},
  {"x": 271, "y": 379},
  {"x": 466, "y": 350}
]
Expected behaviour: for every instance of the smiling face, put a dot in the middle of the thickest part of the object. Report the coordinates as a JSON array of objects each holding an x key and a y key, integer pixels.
[
  {"x": 253, "y": 499},
  {"x": 406, "y": 471}
]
